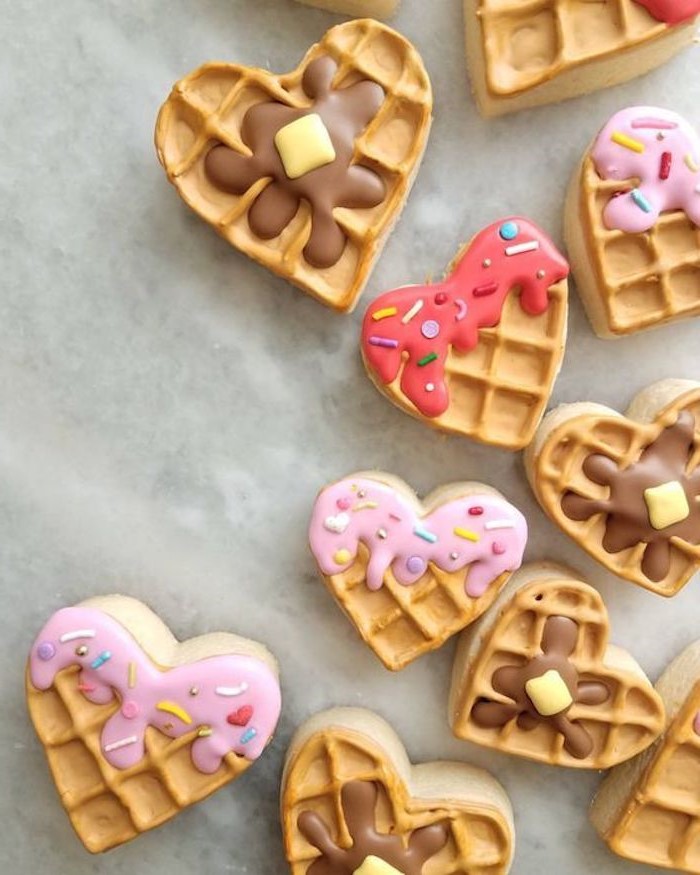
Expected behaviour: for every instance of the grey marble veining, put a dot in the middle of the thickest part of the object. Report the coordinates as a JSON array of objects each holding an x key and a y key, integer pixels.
[{"x": 168, "y": 409}]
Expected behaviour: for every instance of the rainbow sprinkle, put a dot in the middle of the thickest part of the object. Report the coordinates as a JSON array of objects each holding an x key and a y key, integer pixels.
[
  {"x": 131, "y": 677},
  {"x": 425, "y": 535},
  {"x": 640, "y": 200},
  {"x": 105, "y": 656},
  {"x": 691, "y": 163},
  {"x": 665, "y": 168},
  {"x": 384, "y": 314},
  {"x": 383, "y": 341},
  {"x": 415, "y": 309},
  {"x": 628, "y": 142},
  {"x": 467, "y": 534},
  {"x": 175, "y": 710},
  {"x": 520, "y": 248},
  {"x": 366, "y": 505},
  {"x": 248, "y": 735},
  {"x": 427, "y": 359}
]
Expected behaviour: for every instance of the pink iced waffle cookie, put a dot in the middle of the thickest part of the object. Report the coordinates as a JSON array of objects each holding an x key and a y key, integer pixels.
[
  {"x": 409, "y": 576},
  {"x": 107, "y": 677}
]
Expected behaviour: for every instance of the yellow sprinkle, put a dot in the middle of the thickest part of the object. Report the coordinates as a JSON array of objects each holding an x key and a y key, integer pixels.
[
  {"x": 629, "y": 143},
  {"x": 466, "y": 534},
  {"x": 132, "y": 675},
  {"x": 691, "y": 163},
  {"x": 366, "y": 505},
  {"x": 204, "y": 732},
  {"x": 384, "y": 314},
  {"x": 342, "y": 557},
  {"x": 174, "y": 709}
]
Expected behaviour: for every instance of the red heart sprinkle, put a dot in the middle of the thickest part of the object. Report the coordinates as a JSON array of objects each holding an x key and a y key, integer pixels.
[
  {"x": 475, "y": 511},
  {"x": 343, "y": 503},
  {"x": 441, "y": 298},
  {"x": 241, "y": 717}
]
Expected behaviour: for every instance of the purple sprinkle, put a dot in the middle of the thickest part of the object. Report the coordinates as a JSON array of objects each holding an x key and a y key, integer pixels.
[
  {"x": 416, "y": 565},
  {"x": 46, "y": 650},
  {"x": 383, "y": 341},
  {"x": 430, "y": 329}
]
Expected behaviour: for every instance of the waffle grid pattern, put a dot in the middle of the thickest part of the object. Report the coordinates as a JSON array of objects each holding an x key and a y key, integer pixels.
[
  {"x": 400, "y": 623},
  {"x": 108, "y": 807},
  {"x": 559, "y": 470},
  {"x": 628, "y": 722},
  {"x": 528, "y": 42},
  {"x": 662, "y": 819},
  {"x": 478, "y": 844},
  {"x": 500, "y": 389},
  {"x": 644, "y": 279},
  {"x": 209, "y": 105}
]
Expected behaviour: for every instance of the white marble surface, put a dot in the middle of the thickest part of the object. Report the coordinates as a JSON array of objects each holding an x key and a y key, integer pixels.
[{"x": 168, "y": 409}]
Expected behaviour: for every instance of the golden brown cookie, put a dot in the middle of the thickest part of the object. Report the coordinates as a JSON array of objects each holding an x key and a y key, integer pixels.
[
  {"x": 307, "y": 172},
  {"x": 648, "y": 809},
  {"x": 626, "y": 488},
  {"x": 137, "y": 726},
  {"x": 357, "y": 8},
  {"x": 524, "y": 54},
  {"x": 352, "y": 804},
  {"x": 536, "y": 677}
]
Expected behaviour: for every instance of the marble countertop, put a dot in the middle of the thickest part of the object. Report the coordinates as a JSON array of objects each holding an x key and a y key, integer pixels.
[{"x": 168, "y": 409}]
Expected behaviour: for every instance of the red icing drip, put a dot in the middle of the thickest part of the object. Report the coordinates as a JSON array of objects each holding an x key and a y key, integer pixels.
[
  {"x": 460, "y": 307},
  {"x": 672, "y": 11}
]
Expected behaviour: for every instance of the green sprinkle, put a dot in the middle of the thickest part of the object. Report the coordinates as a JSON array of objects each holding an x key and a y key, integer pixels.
[{"x": 427, "y": 359}]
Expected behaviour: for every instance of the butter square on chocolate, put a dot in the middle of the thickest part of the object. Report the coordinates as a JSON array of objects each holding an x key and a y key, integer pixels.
[
  {"x": 549, "y": 693},
  {"x": 374, "y": 866},
  {"x": 304, "y": 145},
  {"x": 667, "y": 504}
]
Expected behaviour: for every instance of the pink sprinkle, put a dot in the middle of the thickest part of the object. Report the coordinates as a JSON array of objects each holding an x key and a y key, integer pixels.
[
  {"x": 395, "y": 517},
  {"x": 130, "y": 709},
  {"x": 665, "y": 169},
  {"x": 86, "y": 688},
  {"x": 343, "y": 503},
  {"x": 476, "y": 511},
  {"x": 654, "y": 123},
  {"x": 696, "y": 723},
  {"x": 498, "y": 548},
  {"x": 386, "y": 342}
]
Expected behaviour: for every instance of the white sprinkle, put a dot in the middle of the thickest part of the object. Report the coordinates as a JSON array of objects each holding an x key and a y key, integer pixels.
[
  {"x": 79, "y": 633},
  {"x": 430, "y": 387},
  {"x": 123, "y": 742},
  {"x": 500, "y": 524},
  {"x": 519, "y": 248},
  {"x": 416, "y": 308},
  {"x": 232, "y": 691}
]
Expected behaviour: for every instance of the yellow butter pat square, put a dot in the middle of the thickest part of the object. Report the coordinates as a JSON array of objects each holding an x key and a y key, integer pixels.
[
  {"x": 374, "y": 866},
  {"x": 304, "y": 145},
  {"x": 667, "y": 504},
  {"x": 549, "y": 693}
]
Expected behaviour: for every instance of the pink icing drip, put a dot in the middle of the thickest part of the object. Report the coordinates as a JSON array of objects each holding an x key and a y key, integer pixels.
[
  {"x": 124, "y": 732},
  {"x": 672, "y": 11},
  {"x": 396, "y": 516},
  {"x": 677, "y": 187},
  {"x": 471, "y": 298}
]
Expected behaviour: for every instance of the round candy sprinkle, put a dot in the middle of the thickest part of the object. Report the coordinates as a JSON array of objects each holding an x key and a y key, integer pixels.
[
  {"x": 540, "y": 274},
  {"x": 476, "y": 510},
  {"x": 498, "y": 548},
  {"x": 441, "y": 298},
  {"x": 430, "y": 387},
  {"x": 509, "y": 231},
  {"x": 343, "y": 503},
  {"x": 130, "y": 709},
  {"x": 416, "y": 565},
  {"x": 486, "y": 262},
  {"x": 342, "y": 557},
  {"x": 381, "y": 534},
  {"x": 45, "y": 650},
  {"x": 430, "y": 329},
  {"x": 454, "y": 556}
]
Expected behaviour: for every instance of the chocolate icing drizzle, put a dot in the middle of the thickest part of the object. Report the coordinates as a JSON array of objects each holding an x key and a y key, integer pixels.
[
  {"x": 359, "y": 801},
  {"x": 627, "y": 516},
  {"x": 346, "y": 112},
  {"x": 558, "y": 643}
]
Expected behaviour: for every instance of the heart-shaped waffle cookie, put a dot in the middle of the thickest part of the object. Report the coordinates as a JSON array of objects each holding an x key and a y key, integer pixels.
[
  {"x": 409, "y": 575},
  {"x": 524, "y": 54},
  {"x": 137, "y": 726},
  {"x": 307, "y": 173},
  {"x": 352, "y": 804},
  {"x": 465, "y": 355},
  {"x": 648, "y": 809},
  {"x": 633, "y": 222},
  {"x": 536, "y": 677},
  {"x": 627, "y": 488}
]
